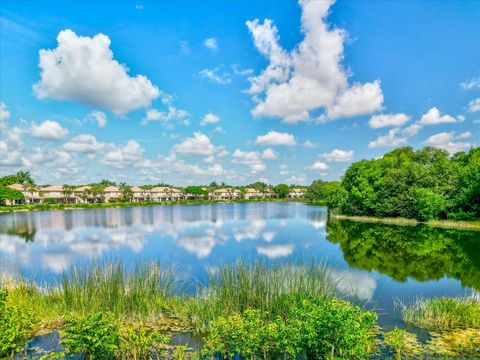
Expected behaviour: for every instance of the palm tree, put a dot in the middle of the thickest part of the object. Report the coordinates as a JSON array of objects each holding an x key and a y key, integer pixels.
[
  {"x": 169, "y": 192},
  {"x": 85, "y": 194},
  {"x": 98, "y": 192},
  {"x": 67, "y": 192},
  {"x": 24, "y": 177},
  {"x": 30, "y": 188},
  {"x": 126, "y": 191}
]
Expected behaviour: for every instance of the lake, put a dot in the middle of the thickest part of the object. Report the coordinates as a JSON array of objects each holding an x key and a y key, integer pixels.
[{"x": 374, "y": 263}]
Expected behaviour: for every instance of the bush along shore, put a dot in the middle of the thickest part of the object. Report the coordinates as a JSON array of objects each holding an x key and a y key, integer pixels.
[{"x": 255, "y": 311}]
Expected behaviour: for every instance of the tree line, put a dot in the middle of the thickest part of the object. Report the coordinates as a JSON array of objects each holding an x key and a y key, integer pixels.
[
  {"x": 421, "y": 184},
  {"x": 96, "y": 190}
]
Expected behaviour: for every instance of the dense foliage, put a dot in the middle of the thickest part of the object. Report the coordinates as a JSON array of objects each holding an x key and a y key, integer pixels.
[
  {"x": 281, "y": 190},
  {"x": 9, "y": 194},
  {"x": 96, "y": 336},
  {"x": 196, "y": 190},
  {"x": 329, "y": 328},
  {"x": 424, "y": 184},
  {"x": 16, "y": 324}
]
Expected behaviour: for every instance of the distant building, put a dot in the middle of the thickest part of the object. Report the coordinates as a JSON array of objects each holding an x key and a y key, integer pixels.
[
  {"x": 226, "y": 194},
  {"x": 297, "y": 193},
  {"x": 112, "y": 193},
  {"x": 251, "y": 193}
]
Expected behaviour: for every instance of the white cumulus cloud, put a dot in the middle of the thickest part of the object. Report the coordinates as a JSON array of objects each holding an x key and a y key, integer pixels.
[
  {"x": 269, "y": 154},
  {"x": 385, "y": 120},
  {"x": 275, "y": 138},
  {"x": 394, "y": 137},
  {"x": 449, "y": 141},
  {"x": 48, "y": 130},
  {"x": 83, "y": 69},
  {"x": 337, "y": 155},
  {"x": 209, "y": 118},
  {"x": 250, "y": 158},
  {"x": 434, "y": 117},
  {"x": 474, "y": 105},
  {"x": 84, "y": 143},
  {"x": 211, "y": 43},
  {"x": 197, "y": 145},
  {"x": 120, "y": 156},
  {"x": 311, "y": 76},
  {"x": 100, "y": 117},
  {"x": 318, "y": 166},
  {"x": 4, "y": 116}
]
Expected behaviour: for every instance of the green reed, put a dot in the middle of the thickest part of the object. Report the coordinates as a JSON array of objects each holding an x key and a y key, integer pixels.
[
  {"x": 443, "y": 313},
  {"x": 271, "y": 289},
  {"x": 110, "y": 287}
]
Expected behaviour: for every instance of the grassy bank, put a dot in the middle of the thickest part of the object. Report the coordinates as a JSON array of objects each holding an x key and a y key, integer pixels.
[
  {"x": 35, "y": 207},
  {"x": 454, "y": 325},
  {"x": 447, "y": 224},
  {"x": 256, "y": 310}
]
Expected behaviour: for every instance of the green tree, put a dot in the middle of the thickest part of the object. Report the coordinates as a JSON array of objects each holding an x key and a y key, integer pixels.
[
  {"x": 7, "y": 194},
  {"x": 391, "y": 186},
  {"x": 430, "y": 205},
  {"x": 24, "y": 177},
  {"x": 281, "y": 190},
  {"x": 196, "y": 190},
  {"x": 67, "y": 192},
  {"x": 106, "y": 183},
  {"x": 8, "y": 180},
  {"x": 126, "y": 192}
]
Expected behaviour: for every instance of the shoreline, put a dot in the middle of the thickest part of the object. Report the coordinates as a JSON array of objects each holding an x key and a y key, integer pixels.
[
  {"x": 444, "y": 224},
  {"x": 42, "y": 207}
]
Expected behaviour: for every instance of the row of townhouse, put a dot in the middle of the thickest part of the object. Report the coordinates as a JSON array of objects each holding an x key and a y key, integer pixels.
[{"x": 83, "y": 194}]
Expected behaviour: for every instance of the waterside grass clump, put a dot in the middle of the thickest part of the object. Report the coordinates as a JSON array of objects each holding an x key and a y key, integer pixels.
[
  {"x": 443, "y": 313},
  {"x": 454, "y": 325},
  {"x": 273, "y": 290}
]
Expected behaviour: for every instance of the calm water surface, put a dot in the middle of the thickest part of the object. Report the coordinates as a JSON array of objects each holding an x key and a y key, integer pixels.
[{"x": 376, "y": 263}]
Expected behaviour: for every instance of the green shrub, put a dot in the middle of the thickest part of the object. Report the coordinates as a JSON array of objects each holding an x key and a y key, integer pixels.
[
  {"x": 49, "y": 201},
  {"x": 335, "y": 327},
  {"x": 326, "y": 328},
  {"x": 430, "y": 205},
  {"x": 16, "y": 325},
  {"x": 252, "y": 336},
  {"x": 141, "y": 342},
  {"x": 96, "y": 336}
]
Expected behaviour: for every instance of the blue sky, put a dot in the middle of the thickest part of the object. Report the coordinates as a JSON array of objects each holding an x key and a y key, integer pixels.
[{"x": 235, "y": 91}]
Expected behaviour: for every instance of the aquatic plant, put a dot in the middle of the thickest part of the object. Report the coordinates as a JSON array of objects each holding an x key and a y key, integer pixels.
[
  {"x": 271, "y": 289},
  {"x": 96, "y": 336},
  {"x": 109, "y": 286},
  {"x": 140, "y": 341},
  {"x": 16, "y": 326},
  {"x": 402, "y": 344},
  {"x": 326, "y": 328},
  {"x": 443, "y": 313}
]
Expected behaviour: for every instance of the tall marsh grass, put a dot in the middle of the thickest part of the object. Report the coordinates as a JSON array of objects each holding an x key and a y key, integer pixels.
[
  {"x": 443, "y": 313},
  {"x": 110, "y": 287},
  {"x": 240, "y": 286},
  {"x": 148, "y": 292}
]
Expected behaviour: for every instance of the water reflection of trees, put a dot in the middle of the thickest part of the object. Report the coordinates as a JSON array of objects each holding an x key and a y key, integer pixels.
[
  {"x": 401, "y": 252},
  {"x": 25, "y": 232}
]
